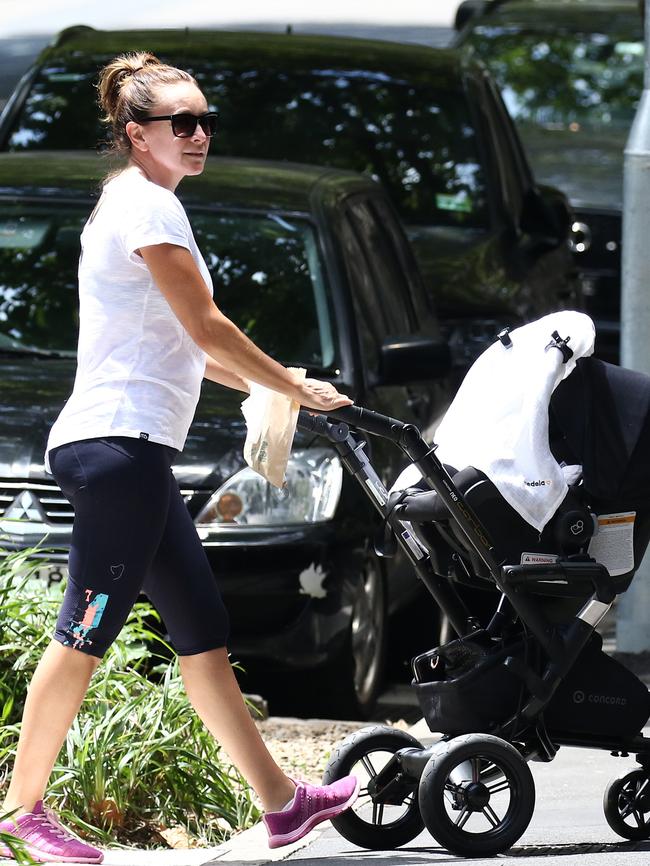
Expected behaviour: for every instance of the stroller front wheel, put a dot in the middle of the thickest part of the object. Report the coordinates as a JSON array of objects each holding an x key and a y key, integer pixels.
[
  {"x": 627, "y": 805},
  {"x": 476, "y": 795},
  {"x": 371, "y": 823}
]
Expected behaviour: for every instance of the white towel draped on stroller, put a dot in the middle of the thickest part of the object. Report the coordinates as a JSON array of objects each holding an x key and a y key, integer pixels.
[{"x": 498, "y": 421}]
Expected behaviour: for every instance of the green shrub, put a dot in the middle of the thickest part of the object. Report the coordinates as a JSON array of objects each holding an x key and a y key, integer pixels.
[{"x": 137, "y": 759}]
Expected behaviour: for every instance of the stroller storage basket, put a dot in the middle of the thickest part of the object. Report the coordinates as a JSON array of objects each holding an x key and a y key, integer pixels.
[
  {"x": 599, "y": 696},
  {"x": 478, "y": 698}
]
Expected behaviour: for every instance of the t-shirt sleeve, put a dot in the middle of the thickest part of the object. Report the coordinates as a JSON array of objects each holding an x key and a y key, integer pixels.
[{"x": 157, "y": 218}]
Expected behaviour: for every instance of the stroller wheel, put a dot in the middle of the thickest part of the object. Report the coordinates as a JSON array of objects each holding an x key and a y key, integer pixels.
[
  {"x": 370, "y": 823},
  {"x": 627, "y": 805},
  {"x": 476, "y": 795}
]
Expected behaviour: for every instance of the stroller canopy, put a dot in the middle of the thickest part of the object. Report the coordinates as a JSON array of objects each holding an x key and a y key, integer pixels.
[{"x": 600, "y": 418}]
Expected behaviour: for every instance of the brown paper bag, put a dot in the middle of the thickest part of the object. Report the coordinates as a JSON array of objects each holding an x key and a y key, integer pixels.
[{"x": 271, "y": 420}]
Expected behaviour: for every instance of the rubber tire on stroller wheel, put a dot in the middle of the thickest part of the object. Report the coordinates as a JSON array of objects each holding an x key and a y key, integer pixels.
[
  {"x": 618, "y": 794},
  {"x": 435, "y": 783},
  {"x": 350, "y": 824}
]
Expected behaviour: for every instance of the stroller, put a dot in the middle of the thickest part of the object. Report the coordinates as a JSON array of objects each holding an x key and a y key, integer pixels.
[{"x": 532, "y": 676}]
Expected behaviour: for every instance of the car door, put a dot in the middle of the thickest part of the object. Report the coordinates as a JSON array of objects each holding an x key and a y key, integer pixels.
[
  {"x": 389, "y": 301},
  {"x": 539, "y": 216}
]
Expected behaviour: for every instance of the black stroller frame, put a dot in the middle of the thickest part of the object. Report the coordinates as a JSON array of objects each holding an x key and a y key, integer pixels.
[{"x": 443, "y": 786}]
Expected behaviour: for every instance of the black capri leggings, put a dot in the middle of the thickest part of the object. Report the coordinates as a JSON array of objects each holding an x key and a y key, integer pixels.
[{"x": 132, "y": 532}]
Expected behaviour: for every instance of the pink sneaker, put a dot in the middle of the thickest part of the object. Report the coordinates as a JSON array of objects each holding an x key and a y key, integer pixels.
[
  {"x": 47, "y": 839},
  {"x": 311, "y": 805}
]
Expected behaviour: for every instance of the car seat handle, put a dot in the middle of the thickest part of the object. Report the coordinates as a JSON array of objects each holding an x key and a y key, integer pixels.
[{"x": 560, "y": 343}]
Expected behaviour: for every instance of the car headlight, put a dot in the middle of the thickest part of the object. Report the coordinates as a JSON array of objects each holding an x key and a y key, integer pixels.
[
  {"x": 310, "y": 495},
  {"x": 580, "y": 237}
]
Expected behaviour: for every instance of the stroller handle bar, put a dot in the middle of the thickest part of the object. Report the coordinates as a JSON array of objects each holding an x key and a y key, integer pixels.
[
  {"x": 356, "y": 416},
  {"x": 407, "y": 437}
]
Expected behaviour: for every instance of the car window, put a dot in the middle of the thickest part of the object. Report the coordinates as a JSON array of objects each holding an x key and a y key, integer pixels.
[
  {"x": 402, "y": 254},
  {"x": 412, "y": 131},
  {"x": 268, "y": 279},
  {"x": 368, "y": 317},
  {"x": 39, "y": 255},
  {"x": 390, "y": 290},
  {"x": 563, "y": 78},
  {"x": 514, "y": 172},
  {"x": 266, "y": 270}
]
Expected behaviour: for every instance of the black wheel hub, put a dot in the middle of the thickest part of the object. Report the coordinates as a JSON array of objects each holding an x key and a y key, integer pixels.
[
  {"x": 642, "y": 801},
  {"x": 477, "y": 796}
]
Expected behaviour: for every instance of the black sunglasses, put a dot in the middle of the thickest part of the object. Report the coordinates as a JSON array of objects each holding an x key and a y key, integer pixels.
[{"x": 184, "y": 124}]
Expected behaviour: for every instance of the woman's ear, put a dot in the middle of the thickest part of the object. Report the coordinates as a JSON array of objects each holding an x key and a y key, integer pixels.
[{"x": 135, "y": 133}]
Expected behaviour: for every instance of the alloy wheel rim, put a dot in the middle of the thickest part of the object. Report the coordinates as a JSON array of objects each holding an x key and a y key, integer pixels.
[{"x": 367, "y": 630}]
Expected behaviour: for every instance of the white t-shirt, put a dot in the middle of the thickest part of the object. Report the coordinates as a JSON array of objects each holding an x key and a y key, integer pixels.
[{"x": 139, "y": 372}]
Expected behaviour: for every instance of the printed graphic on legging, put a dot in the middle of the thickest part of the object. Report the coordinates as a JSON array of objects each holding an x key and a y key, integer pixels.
[{"x": 86, "y": 617}]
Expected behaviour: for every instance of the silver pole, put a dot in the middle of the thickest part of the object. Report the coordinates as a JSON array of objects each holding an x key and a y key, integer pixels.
[{"x": 633, "y": 619}]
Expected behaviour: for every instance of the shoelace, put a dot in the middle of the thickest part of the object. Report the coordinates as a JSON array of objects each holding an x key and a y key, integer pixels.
[{"x": 58, "y": 829}]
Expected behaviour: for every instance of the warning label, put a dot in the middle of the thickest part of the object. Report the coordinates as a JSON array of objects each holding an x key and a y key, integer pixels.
[
  {"x": 613, "y": 543},
  {"x": 538, "y": 559}
]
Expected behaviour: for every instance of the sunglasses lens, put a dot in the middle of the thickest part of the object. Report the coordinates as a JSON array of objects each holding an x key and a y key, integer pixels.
[
  {"x": 208, "y": 124},
  {"x": 183, "y": 125}
]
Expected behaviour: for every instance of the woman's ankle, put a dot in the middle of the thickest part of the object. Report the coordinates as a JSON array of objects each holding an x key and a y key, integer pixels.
[
  {"x": 282, "y": 797},
  {"x": 20, "y": 809}
]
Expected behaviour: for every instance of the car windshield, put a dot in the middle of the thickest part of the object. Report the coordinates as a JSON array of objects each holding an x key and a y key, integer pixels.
[
  {"x": 414, "y": 132},
  {"x": 565, "y": 79},
  {"x": 266, "y": 271}
]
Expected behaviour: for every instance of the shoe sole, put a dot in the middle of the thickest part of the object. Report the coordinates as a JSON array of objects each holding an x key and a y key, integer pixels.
[
  {"x": 279, "y": 840},
  {"x": 42, "y": 857}
]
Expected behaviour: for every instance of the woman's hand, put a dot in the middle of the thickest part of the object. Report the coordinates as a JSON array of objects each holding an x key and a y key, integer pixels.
[{"x": 315, "y": 394}]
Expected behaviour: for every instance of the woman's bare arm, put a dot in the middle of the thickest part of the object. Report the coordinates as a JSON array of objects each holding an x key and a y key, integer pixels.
[
  {"x": 216, "y": 372},
  {"x": 179, "y": 279}
]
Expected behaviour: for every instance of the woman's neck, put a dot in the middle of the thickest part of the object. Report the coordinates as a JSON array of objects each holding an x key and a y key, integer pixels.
[{"x": 150, "y": 174}]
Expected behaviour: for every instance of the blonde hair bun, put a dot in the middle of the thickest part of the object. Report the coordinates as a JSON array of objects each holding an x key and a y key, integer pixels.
[{"x": 116, "y": 74}]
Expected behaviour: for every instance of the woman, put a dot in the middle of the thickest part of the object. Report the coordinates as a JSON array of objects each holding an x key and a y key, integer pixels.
[{"x": 149, "y": 332}]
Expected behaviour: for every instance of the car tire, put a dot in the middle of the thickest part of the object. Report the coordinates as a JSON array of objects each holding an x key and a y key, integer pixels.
[{"x": 349, "y": 685}]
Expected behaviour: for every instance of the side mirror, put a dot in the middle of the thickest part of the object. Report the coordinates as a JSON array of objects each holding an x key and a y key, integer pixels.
[
  {"x": 546, "y": 219},
  {"x": 410, "y": 359}
]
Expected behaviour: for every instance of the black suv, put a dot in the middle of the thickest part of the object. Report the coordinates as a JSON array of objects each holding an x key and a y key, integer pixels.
[
  {"x": 571, "y": 75},
  {"x": 428, "y": 123},
  {"x": 313, "y": 264}
]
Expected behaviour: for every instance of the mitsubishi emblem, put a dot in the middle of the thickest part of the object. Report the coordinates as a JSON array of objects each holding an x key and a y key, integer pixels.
[{"x": 24, "y": 515}]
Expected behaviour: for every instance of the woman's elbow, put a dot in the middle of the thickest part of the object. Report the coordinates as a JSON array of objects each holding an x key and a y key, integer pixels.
[{"x": 211, "y": 333}]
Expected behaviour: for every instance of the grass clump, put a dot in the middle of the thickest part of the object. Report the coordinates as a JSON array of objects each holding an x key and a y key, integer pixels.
[{"x": 137, "y": 761}]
